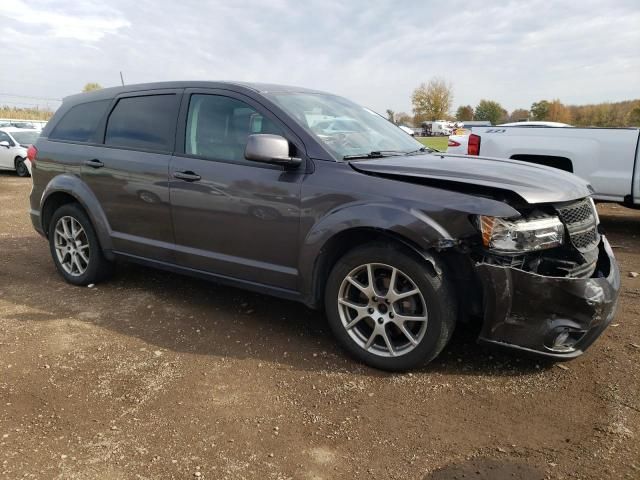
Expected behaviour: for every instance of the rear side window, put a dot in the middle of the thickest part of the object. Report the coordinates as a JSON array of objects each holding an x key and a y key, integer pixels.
[
  {"x": 147, "y": 123},
  {"x": 79, "y": 124}
]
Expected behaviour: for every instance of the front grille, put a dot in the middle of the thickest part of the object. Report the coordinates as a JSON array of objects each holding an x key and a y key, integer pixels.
[
  {"x": 585, "y": 240},
  {"x": 577, "y": 213},
  {"x": 581, "y": 223}
]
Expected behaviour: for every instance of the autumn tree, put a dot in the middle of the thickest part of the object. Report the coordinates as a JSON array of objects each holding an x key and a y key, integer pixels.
[
  {"x": 633, "y": 117},
  {"x": 489, "y": 110},
  {"x": 557, "y": 112},
  {"x": 464, "y": 113},
  {"x": 432, "y": 101},
  {"x": 519, "y": 115},
  {"x": 91, "y": 86}
]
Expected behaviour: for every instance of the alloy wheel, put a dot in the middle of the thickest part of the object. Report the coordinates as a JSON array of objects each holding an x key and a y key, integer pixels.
[
  {"x": 71, "y": 246},
  {"x": 382, "y": 310}
]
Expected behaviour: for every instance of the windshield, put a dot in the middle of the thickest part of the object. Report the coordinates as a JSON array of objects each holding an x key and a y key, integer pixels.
[
  {"x": 344, "y": 127},
  {"x": 27, "y": 137}
]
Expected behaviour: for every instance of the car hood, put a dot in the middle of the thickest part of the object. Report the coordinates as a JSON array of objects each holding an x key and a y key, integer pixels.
[{"x": 534, "y": 183}]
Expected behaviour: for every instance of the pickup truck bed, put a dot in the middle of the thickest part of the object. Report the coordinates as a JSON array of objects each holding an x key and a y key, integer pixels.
[{"x": 608, "y": 158}]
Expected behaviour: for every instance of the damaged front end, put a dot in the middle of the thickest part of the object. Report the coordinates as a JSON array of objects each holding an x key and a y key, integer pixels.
[{"x": 554, "y": 301}]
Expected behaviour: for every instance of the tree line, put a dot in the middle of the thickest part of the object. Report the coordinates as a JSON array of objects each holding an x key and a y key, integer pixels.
[{"x": 434, "y": 100}]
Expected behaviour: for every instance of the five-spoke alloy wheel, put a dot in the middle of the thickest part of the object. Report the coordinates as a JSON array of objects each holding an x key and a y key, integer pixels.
[{"x": 390, "y": 308}]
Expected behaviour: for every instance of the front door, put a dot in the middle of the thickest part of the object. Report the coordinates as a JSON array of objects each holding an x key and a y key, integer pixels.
[
  {"x": 129, "y": 173},
  {"x": 231, "y": 216}
]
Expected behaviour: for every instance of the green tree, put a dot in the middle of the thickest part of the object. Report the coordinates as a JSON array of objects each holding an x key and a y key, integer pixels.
[
  {"x": 464, "y": 113},
  {"x": 432, "y": 101},
  {"x": 540, "y": 110},
  {"x": 91, "y": 86},
  {"x": 391, "y": 115},
  {"x": 489, "y": 110}
]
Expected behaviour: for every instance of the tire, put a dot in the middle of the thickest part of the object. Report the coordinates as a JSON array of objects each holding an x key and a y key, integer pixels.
[
  {"x": 21, "y": 168},
  {"x": 433, "y": 306},
  {"x": 71, "y": 221}
]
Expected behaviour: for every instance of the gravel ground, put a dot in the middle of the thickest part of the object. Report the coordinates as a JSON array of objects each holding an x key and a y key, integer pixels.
[{"x": 155, "y": 375}]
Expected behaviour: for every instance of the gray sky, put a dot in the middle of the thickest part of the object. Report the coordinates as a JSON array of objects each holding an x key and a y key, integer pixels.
[{"x": 375, "y": 53}]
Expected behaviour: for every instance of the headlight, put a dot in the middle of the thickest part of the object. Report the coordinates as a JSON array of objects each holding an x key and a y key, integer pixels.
[{"x": 519, "y": 236}]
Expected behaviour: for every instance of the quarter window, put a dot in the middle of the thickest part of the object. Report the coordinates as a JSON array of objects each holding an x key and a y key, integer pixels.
[
  {"x": 79, "y": 124},
  {"x": 218, "y": 127},
  {"x": 146, "y": 123}
]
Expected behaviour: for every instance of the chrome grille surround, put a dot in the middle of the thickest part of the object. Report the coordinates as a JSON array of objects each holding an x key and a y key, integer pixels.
[{"x": 582, "y": 225}]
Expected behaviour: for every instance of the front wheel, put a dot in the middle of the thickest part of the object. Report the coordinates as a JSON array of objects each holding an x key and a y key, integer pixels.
[
  {"x": 21, "y": 168},
  {"x": 389, "y": 308}
]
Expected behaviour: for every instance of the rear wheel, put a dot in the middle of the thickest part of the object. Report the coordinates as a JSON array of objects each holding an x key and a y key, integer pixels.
[
  {"x": 389, "y": 309},
  {"x": 21, "y": 168},
  {"x": 75, "y": 247}
]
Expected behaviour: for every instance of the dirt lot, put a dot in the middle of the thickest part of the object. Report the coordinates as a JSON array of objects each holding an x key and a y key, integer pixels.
[{"x": 154, "y": 375}]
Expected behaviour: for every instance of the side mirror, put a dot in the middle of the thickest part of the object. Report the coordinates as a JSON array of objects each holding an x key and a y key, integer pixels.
[
  {"x": 270, "y": 149},
  {"x": 5, "y": 144}
]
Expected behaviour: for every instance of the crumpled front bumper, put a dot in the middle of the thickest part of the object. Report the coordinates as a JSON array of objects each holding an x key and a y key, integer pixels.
[{"x": 550, "y": 316}]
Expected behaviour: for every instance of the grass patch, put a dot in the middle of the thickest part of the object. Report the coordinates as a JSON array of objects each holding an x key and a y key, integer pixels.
[{"x": 439, "y": 143}]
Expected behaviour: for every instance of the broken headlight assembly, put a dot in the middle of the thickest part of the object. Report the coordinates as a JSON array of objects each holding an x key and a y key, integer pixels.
[{"x": 501, "y": 235}]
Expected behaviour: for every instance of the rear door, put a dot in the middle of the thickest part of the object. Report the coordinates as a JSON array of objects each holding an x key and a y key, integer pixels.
[
  {"x": 129, "y": 172},
  {"x": 232, "y": 216}
]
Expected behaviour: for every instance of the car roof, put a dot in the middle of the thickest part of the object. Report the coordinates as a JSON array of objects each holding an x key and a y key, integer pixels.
[{"x": 111, "y": 92}]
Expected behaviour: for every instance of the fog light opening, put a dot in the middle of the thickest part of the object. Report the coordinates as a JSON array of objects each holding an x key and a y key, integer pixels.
[{"x": 564, "y": 339}]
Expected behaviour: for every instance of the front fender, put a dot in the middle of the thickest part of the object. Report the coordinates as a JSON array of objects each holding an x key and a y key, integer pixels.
[
  {"x": 414, "y": 226},
  {"x": 78, "y": 189}
]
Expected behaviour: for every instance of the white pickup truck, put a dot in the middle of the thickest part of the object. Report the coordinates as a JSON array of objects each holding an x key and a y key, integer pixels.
[{"x": 608, "y": 158}]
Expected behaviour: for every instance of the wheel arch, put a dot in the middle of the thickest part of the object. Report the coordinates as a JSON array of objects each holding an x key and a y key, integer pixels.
[
  {"x": 65, "y": 189},
  {"x": 555, "y": 161},
  {"x": 335, "y": 235}
]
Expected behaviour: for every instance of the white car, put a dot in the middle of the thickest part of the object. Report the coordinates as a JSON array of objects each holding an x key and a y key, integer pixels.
[
  {"x": 14, "y": 143},
  {"x": 407, "y": 130}
]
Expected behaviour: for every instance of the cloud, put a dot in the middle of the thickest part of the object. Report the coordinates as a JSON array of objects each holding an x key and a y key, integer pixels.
[
  {"x": 89, "y": 23},
  {"x": 375, "y": 53}
]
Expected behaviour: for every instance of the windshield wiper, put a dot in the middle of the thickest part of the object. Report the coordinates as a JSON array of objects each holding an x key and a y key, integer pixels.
[{"x": 386, "y": 153}]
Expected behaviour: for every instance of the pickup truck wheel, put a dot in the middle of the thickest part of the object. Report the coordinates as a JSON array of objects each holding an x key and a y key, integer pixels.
[
  {"x": 389, "y": 309},
  {"x": 74, "y": 247},
  {"x": 21, "y": 168}
]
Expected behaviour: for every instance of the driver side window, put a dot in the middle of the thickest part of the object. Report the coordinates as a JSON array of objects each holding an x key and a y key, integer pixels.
[{"x": 218, "y": 127}]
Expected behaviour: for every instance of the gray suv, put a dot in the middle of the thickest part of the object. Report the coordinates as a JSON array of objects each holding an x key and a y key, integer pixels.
[{"x": 310, "y": 197}]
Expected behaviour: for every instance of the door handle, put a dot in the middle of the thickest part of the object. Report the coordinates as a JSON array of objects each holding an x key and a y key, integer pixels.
[
  {"x": 187, "y": 176},
  {"x": 94, "y": 163}
]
